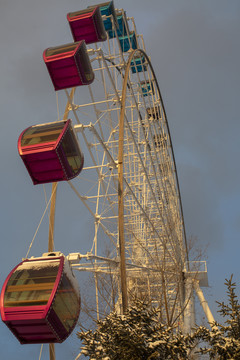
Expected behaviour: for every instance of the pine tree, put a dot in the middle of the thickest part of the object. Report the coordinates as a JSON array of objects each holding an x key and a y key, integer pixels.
[
  {"x": 223, "y": 342},
  {"x": 137, "y": 335}
]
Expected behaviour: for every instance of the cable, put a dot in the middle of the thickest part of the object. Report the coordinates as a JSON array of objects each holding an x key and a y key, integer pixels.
[{"x": 39, "y": 225}]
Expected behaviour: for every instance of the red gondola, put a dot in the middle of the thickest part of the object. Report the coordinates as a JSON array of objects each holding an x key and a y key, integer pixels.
[
  {"x": 51, "y": 152},
  {"x": 40, "y": 301},
  {"x": 69, "y": 65},
  {"x": 87, "y": 25}
]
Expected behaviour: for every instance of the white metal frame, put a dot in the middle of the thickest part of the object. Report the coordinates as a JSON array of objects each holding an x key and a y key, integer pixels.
[{"x": 157, "y": 263}]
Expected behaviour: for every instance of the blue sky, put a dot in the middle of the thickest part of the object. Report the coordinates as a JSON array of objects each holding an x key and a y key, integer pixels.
[{"x": 194, "y": 49}]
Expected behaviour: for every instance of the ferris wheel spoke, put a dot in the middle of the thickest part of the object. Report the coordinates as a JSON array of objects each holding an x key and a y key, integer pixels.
[
  {"x": 94, "y": 215},
  {"x": 153, "y": 227},
  {"x": 146, "y": 172}
]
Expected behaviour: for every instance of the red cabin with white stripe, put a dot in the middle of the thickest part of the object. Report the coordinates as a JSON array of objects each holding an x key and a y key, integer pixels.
[
  {"x": 87, "y": 25},
  {"x": 69, "y": 65},
  {"x": 40, "y": 300},
  {"x": 51, "y": 152}
]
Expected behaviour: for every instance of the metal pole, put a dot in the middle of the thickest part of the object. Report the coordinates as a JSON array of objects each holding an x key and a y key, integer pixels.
[
  {"x": 52, "y": 218},
  {"x": 204, "y": 304},
  {"x": 51, "y": 245},
  {"x": 189, "y": 314},
  {"x": 54, "y": 188},
  {"x": 51, "y": 352},
  {"x": 123, "y": 274},
  {"x": 121, "y": 210}
]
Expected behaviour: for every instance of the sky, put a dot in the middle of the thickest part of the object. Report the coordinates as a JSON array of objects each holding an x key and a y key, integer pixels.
[{"x": 195, "y": 51}]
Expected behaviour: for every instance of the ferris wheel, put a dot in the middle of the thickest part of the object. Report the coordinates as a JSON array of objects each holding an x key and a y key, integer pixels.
[{"x": 112, "y": 145}]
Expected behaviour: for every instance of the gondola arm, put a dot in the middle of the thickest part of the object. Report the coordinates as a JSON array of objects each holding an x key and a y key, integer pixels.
[{"x": 52, "y": 218}]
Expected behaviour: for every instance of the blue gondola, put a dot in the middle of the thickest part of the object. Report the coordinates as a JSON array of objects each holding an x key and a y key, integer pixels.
[
  {"x": 138, "y": 64},
  {"x": 122, "y": 26},
  {"x": 107, "y": 9},
  {"x": 128, "y": 42},
  {"x": 147, "y": 88}
]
